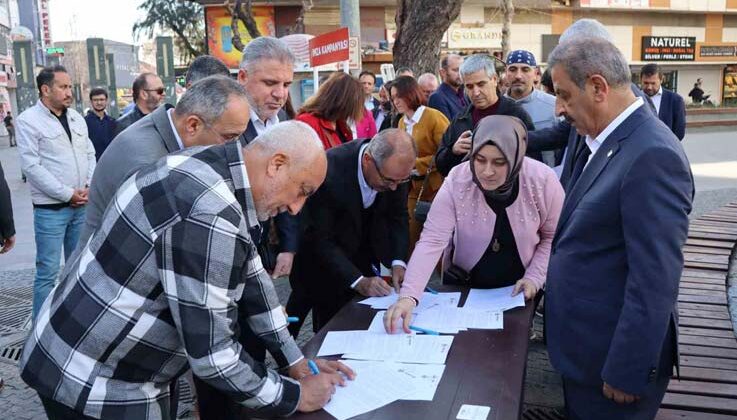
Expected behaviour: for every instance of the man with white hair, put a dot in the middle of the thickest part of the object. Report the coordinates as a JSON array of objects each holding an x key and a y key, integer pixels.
[
  {"x": 480, "y": 80},
  {"x": 154, "y": 291},
  {"x": 428, "y": 83},
  {"x": 616, "y": 259}
]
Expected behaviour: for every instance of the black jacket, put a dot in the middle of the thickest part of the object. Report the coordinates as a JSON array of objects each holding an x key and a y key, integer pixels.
[
  {"x": 287, "y": 226},
  {"x": 446, "y": 159},
  {"x": 127, "y": 120},
  {"x": 331, "y": 254},
  {"x": 7, "y": 228}
]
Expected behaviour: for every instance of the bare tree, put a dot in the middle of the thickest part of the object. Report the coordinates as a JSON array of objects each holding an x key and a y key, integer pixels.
[
  {"x": 299, "y": 24},
  {"x": 420, "y": 28},
  {"x": 508, "y": 10}
]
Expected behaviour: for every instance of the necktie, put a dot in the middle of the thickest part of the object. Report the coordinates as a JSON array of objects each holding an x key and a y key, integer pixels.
[{"x": 582, "y": 157}]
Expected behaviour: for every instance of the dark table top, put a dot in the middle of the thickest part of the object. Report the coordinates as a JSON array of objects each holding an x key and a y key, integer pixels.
[{"x": 484, "y": 367}]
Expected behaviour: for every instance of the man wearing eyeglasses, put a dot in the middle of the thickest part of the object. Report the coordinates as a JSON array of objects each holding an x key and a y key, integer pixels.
[
  {"x": 214, "y": 110},
  {"x": 354, "y": 223},
  {"x": 148, "y": 94}
]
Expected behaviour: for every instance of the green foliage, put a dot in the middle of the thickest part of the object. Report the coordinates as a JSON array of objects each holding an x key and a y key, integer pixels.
[{"x": 186, "y": 19}]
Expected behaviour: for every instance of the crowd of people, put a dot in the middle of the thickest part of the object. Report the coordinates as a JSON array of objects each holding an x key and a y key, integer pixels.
[{"x": 164, "y": 218}]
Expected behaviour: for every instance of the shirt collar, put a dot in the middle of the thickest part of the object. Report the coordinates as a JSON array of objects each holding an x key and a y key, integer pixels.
[
  {"x": 241, "y": 183},
  {"x": 416, "y": 117},
  {"x": 174, "y": 129},
  {"x": 660, "y": 91},
  {"x": 368, "y": 194},
  {"x": 599, "y": 140},
  {"x": 263, "y": 125}
]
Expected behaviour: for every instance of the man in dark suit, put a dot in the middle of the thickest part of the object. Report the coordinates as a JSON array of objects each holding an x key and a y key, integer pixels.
[
  {"x": 266, "y": 72},
  {"x": 616, "y": 258},
  {"x": 449, "y": 98},
  {"x": 368, "y": 83},
  {"x": 669, "y": 105},
  {"x": 356, "y": 221}
]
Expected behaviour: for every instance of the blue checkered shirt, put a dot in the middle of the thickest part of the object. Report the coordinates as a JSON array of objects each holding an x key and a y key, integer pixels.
[{"x": 154, "y": 292}]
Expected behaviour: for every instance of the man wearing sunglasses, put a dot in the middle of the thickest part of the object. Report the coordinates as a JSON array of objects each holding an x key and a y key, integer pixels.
[
  {"x": 148, "y": 94},
  {"x": 354, "y": 223}
]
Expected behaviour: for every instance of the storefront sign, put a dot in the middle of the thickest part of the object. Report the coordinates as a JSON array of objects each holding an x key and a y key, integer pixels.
[
  {"x": 488, "y": 36},
  {"x": 220, "y": 33},
  {"x": 717, "y": 50},
  {"x": 331, "y": 47},
  {"x": 668, "y": 48}
]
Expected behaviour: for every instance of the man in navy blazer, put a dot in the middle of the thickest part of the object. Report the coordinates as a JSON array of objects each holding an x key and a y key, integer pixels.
[
  {"x": 616, "y": 258},
  {"x": 450, "y": 98},
  {"x": 670, "y": 106}
]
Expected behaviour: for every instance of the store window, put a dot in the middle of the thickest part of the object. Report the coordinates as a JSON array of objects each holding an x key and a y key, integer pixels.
[
  {"x": 670, "y": 79},
  {"x": 729, "y": 94}
]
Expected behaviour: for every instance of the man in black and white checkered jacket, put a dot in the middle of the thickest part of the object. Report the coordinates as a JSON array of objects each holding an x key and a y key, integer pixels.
[{"x": 154, "y": 290}]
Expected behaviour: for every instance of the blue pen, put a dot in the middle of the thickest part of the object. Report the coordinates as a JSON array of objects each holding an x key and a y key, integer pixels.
[
  {"x": 375, "y": 270},
  {"x": 313, "y": 367},
  {"x": 291, "y": 319},
  {"x": 423, "y": 330},
  {"x": 430, "y": 290}
]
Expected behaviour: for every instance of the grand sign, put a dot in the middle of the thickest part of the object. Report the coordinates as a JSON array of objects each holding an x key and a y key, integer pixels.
[{"x": 668, "y": 48}]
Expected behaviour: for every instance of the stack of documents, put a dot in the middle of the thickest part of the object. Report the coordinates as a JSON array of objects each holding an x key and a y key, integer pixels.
[
  {"x": 367, "y": 345},
  {"x": 446, "y": 320},
  {"x": 428, "y": 301},
  {"x": 420, "y": 381},
  {"x": 375, "y": 386}
]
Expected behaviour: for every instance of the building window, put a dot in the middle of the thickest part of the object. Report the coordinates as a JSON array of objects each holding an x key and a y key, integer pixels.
[
  {"x": 729, "y": 94},
  {"x": 670, "y": 79}
]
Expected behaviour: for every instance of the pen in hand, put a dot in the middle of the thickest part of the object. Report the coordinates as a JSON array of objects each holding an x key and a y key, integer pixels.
[{"x": 313, "y": 367}]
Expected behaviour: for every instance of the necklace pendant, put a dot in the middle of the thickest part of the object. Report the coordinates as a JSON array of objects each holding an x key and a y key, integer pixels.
[{"x": 496, "y": 246}]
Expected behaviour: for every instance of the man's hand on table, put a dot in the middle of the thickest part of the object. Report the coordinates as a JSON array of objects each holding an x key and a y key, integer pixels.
[
  {"x": 373, "y": 286},
  {"x": 316, "y": 390}
]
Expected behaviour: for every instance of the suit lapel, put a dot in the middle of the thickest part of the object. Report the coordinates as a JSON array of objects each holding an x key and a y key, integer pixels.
[
  {"x": 599, "y": 162},
  {"x": 163, "y": 126}
]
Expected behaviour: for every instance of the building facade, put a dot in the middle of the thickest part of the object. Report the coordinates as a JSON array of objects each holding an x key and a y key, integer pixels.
[{"x": 690, "y": 39}]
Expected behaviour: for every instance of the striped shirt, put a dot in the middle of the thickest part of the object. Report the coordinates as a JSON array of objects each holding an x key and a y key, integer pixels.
[{"x": 154, "y": 292}]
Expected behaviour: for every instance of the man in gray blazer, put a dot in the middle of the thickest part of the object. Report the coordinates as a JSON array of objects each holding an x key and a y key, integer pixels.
[{"x": 214, "y": 110}]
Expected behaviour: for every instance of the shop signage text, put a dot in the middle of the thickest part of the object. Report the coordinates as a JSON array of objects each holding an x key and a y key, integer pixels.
[{"x": 668, "y": 48}]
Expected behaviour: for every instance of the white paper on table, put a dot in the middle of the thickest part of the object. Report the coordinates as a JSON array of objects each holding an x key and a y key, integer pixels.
[
  {"x": 424, "y": 378},
  {"x": 445, "y": 320},
  {"x": 499, "y": 299},
  {"x": 428, "y": 301},
  {"x": 473, "y": 412},
  {"x": 374, "y": 387},
  {"x": 377, "y": 325},
  {"x": 381, "y": 302},
  {"x": 339, "y": 342},
  {"x": 407, "y": 348}
]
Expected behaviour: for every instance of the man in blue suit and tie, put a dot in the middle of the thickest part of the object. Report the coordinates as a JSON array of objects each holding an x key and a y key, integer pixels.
[
  {"x": 670, "y": 106},
  {"x": 616, "y": 258}
]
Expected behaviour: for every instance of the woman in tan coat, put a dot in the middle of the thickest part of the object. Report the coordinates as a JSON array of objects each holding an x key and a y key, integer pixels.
[{"x": 426, "y": 126}]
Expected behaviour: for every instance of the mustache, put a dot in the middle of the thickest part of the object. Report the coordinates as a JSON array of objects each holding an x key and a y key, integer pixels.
[{"x": 568, "y": 118}]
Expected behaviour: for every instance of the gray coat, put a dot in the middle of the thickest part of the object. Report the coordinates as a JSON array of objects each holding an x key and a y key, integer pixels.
[{"x": 143, "y": 143}]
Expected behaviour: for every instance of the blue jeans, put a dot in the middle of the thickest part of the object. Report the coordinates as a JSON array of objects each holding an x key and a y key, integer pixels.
[{"x": 54, "y": 229}]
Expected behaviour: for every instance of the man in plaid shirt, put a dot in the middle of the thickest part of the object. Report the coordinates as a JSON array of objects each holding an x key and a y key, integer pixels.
[{"x": 155, "y": 289}]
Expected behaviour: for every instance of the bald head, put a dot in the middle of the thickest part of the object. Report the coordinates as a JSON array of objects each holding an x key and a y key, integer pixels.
[
  {"x": 389, "y": 159},
  {"x": 428, "y": 83},
  {"x": 285, "y": 165}
]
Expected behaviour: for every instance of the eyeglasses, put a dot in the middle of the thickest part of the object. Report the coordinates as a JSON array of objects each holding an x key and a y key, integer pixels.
[
  {"x": 210, "y": 127},
  {"x": 160, "y": 90},
  {"x": 386, "y": 180}
]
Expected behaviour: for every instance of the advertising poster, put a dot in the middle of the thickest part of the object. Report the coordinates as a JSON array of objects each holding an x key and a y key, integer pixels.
[{"x": 220, "y": 33}]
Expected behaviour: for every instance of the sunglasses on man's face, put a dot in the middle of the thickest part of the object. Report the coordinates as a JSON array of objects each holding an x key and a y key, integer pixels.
[{"x": 160, "y": 90}]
